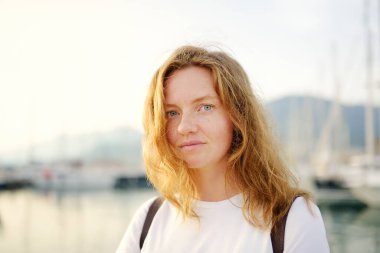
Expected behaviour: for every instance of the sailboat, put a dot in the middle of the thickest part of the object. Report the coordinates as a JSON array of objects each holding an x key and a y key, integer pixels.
[{"x": 367, "y": 188}]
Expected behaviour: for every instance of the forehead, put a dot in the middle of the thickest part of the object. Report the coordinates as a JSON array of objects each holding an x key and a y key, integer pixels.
[{"x": 188, "y": 84}]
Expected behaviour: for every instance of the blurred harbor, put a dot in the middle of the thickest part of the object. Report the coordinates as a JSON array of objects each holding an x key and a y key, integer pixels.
[{"x": 78, "y": 193}]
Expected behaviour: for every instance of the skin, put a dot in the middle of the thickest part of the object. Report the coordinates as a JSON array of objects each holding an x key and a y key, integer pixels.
[{"x": 199, "y": 129}]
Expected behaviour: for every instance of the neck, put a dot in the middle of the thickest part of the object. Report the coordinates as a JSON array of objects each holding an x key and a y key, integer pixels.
[{"x": 212, "y": 185}]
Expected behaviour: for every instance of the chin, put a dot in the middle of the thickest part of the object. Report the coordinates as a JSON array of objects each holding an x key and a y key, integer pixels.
[{"x": 194, "y": 165}]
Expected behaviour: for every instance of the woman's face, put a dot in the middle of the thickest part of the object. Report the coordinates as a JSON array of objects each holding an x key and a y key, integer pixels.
[{"x": 198, "y": 126}]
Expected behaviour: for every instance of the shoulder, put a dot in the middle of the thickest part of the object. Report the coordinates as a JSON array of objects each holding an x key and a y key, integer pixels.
[
  {"x": 305, "y": 230},
  {"x": 138, "y": 219},
  {"x": 301, "y": 208},
  {"x": 131, "y": 239}
]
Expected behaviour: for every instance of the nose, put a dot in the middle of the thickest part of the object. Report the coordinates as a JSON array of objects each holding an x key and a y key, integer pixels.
[{"x": 187, "y": 124}]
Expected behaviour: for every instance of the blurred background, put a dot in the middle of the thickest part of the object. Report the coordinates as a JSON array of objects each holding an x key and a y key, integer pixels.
[{"x": 73, "y": 78}]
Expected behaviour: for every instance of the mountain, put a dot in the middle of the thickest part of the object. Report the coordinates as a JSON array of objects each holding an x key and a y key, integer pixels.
[{"x": 301, "y": 119}]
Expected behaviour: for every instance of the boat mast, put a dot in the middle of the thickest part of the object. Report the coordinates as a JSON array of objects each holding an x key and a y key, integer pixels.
[{"x": 369, "y": 135}]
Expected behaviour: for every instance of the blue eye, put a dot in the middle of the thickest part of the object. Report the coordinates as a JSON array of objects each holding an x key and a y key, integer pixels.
[
  {"x": 171, "y": 114},
  {"x": 207, "y": 107}
]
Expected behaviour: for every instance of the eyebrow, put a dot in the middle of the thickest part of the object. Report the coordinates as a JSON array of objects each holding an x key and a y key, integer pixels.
[{"x": 197, "y": 99}]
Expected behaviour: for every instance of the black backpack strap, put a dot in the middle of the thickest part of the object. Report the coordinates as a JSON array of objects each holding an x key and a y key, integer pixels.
[
  {"x": 277, "y": 233},
  {"x": 149, "y": 218}
]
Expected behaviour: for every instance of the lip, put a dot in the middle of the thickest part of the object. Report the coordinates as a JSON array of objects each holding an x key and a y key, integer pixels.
[{"x": 190, "y": 145}]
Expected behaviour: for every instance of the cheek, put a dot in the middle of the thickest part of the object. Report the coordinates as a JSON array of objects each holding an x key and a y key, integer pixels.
[
  {"x": 221, "y": 131},
  {"x": 228, "y": 134},
  {"x": 170, "y": 133}
]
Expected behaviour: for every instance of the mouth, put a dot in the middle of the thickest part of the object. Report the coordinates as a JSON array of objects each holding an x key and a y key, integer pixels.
[{"x": 191, "y": 145}]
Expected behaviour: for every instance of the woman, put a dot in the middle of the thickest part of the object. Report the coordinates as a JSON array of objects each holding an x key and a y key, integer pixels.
[{"x": 209, "y": 152}]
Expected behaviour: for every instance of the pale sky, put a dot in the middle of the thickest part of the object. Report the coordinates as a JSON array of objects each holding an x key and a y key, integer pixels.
[{"x": 78, "y": 66}]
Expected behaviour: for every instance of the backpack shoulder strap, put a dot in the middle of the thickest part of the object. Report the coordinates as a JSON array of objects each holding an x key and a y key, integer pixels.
[
  {"x": 149, "y": 218},
  {"x": 277, "y": 233}
]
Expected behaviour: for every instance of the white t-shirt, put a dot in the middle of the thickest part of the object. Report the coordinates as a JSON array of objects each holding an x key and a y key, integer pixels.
[{"x": 222, "y": 228}]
